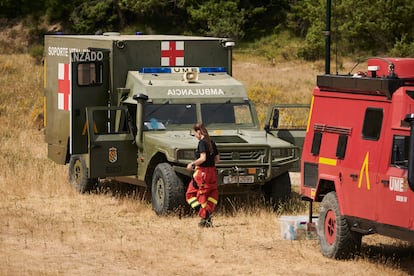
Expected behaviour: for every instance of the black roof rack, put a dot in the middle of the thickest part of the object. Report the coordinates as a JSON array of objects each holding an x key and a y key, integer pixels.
[{"x": 362, "y": 85}]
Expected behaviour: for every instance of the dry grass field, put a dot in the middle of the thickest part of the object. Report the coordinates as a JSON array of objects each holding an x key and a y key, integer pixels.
[{"x": 46, "y": 228}]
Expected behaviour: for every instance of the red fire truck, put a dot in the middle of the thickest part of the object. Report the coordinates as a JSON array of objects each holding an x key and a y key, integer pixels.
[{"x": 358, "y": 155}]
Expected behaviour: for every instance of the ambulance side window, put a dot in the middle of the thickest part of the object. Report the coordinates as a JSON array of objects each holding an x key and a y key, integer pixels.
[
  {"x": 400, "y": 149},
  {"x": 372, "y": 123},
  {"x": 90, "y": 74}
]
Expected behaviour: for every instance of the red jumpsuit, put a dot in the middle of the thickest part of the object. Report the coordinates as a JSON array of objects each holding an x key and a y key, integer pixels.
[{"x": 203, "y": 196}]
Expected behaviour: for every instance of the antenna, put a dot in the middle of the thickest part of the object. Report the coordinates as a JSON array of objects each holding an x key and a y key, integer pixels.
[{"x": 328, "y": 38}]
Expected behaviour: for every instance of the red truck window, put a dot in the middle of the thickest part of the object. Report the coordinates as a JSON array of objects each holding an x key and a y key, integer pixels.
[
  {"x": 372, "y": 123},
  {"x": 341, "y": 148},
  {"x": 400, "y": 147},
  {"x": 316, "y": 143}
]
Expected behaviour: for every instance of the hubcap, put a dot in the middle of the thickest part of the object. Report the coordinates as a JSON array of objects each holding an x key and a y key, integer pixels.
[{"x": 330, "y": 227}]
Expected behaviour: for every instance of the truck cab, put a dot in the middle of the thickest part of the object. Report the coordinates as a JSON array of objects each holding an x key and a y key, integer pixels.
[{"x": 357, "y": 158}]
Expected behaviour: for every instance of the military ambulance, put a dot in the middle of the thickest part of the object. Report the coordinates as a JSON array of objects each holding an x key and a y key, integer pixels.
[{"x": 122, "y": 107}]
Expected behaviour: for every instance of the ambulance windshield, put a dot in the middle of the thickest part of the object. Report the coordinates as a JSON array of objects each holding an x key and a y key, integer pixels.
[
  {"x": 167, "y": 114},
  {"x": 160, "y": 116},
  {"x": 226, "y": 113}
]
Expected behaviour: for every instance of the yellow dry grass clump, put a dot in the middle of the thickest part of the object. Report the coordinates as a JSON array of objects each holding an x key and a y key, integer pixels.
[{"x": 48, "y": 229}]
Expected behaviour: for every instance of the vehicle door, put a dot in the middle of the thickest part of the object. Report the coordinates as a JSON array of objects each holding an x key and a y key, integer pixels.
[
  {"x": 112, "y": 150},
  {"x": 90, "y": 81}
]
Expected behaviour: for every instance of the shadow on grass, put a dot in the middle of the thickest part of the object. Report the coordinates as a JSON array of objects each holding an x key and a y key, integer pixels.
[
  {"x": 399, "y": 255},
  {"x": 248, "y": 203},
  {"x": 122, "y": 190},
  {"x": 251, "y": 203}
]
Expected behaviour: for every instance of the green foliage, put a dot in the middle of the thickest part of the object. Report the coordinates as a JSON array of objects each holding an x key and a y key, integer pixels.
[
  {"x": 59, "y": 11},
  {"x": 263, "y": 17},
  {"x": 144, "y": 7},
  {"x": 314, "y": 46},
  {"x": 307, "y": 20},
  {"x": 13, "y": 8},
  {"x": 403, "y": 48},
  {"x": 94, "y": 16},
  {"x": 359, "y": 27},
  {"x": 218, "y": 18},
  {"x": 36, "y": 52}
]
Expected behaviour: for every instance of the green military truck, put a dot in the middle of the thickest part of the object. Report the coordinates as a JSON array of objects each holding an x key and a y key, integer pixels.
[{"x": 122, "y": 107}]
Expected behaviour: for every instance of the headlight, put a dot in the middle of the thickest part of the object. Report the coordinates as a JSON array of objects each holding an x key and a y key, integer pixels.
[{"x": 186, "y": 154}]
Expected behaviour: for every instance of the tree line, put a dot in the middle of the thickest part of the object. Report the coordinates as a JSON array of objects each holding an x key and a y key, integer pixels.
[{"x": 358, "y": 26}]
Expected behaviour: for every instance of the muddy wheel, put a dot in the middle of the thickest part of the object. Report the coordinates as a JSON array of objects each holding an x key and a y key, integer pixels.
[
  {"x": 278, "y": 189},
  {"x": 336, "y": 240},
  {"x": 78, "y": 175},
  {"x": 167, "y": 190}
]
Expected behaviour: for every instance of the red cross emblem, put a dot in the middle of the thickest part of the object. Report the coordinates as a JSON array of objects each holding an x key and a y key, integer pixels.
[
  {"x": 172, "y": 53},
  {"x": 63, "y": 86}
]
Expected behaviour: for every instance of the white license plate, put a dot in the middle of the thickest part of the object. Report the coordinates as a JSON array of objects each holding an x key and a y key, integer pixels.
[{"x": 238, "y": 179}]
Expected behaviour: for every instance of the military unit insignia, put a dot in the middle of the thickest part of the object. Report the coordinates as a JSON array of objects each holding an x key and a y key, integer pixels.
[{"x": 113, "y": 155}]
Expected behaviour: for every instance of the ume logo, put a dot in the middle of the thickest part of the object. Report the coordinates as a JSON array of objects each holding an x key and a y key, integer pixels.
[{"x": 397, "y": 184}]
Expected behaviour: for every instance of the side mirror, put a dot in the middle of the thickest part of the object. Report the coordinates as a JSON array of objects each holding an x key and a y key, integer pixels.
[
  {"x": 272, "y": 121},
  {"x": 275, "y": 122}
]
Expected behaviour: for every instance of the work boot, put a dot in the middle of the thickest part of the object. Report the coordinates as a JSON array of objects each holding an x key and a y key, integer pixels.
[
  {"x": 208, "y": 223},
  {"x": 205, "y": 223}
]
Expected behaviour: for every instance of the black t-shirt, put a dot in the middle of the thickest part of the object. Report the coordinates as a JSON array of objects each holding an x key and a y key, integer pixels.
[{"x": 203, "y": 147}]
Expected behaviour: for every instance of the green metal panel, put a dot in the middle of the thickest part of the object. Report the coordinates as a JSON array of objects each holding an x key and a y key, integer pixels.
[
  {"x": 89, "y": 88},
  {"x": 112, "y": 152},
  {"x": 134, "y": 55},
  {"x": 57, "y": 118}
]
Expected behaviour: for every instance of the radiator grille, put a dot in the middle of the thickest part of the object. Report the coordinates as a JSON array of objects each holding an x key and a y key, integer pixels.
[{"x": 243, "y": 155}]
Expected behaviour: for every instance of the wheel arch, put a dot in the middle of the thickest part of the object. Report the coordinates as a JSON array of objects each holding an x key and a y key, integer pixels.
[
  {"x": 325, "y": 185},
  {"x": 156, "y": 159}
]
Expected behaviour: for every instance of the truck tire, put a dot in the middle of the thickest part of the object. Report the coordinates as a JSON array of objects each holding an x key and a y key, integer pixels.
[
  {"x": 278, "y": 189},
  {"x": 167, "y": 190},
  {"x": 336, "y": 240},
  {"x": 78, "y": 175}
]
